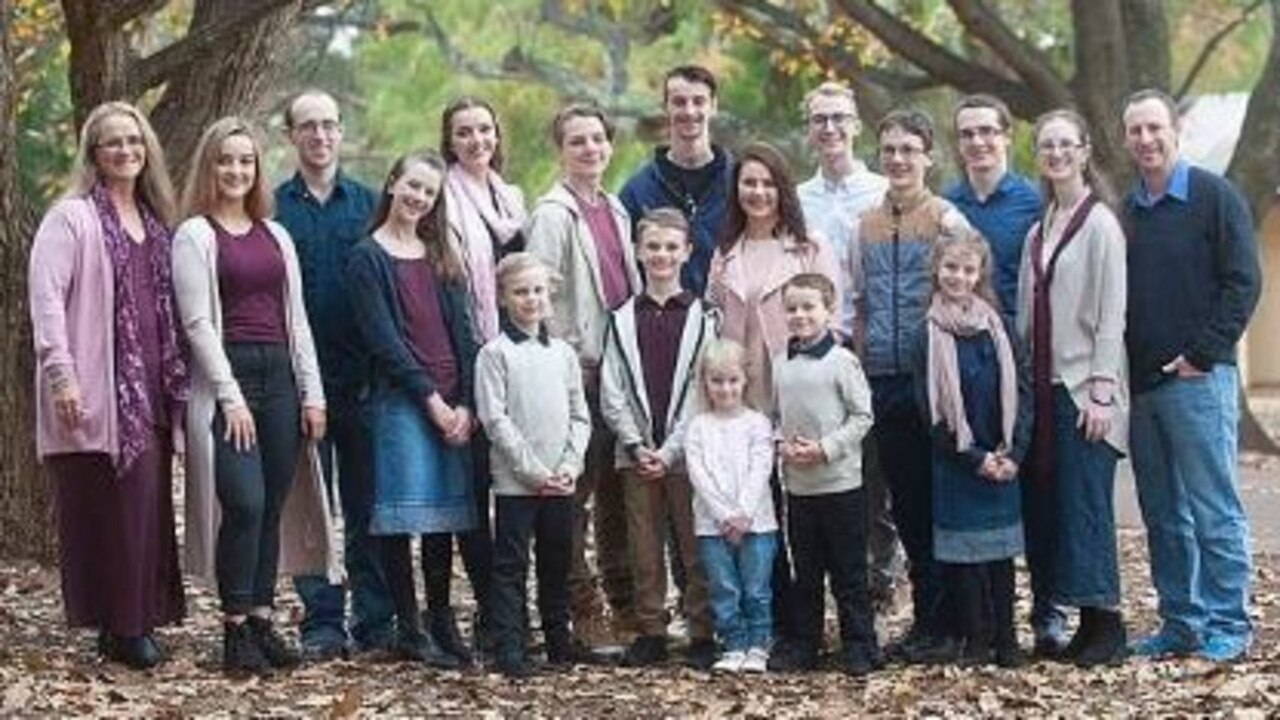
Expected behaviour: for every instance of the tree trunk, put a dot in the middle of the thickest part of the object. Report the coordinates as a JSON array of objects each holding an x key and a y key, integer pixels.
[
  {"x": 222, "y": 78},
  {"x": 1254, "y": 169},
  {"x": 99, "y": 57},
  {"x": 25, "y": 508}
]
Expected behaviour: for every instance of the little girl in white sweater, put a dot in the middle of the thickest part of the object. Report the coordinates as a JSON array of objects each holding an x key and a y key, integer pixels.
[{"x": 729, "y": 456}]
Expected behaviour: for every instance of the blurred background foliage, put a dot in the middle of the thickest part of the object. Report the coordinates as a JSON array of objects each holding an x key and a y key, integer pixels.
[{"x": 394, "y": 64}]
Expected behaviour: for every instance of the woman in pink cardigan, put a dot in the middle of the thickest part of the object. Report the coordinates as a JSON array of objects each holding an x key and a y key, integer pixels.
[
  {"x": 111, "y": 382},
  {"x": 763, "y": 243}
]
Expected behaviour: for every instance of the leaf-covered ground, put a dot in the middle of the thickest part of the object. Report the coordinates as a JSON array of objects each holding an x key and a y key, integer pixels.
[{"x": 46, "y": 670}]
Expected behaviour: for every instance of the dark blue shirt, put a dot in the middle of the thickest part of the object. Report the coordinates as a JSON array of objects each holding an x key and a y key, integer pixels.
[
  {"x": 1004, "y": 219},
  {"x": 324, "y": 233}
]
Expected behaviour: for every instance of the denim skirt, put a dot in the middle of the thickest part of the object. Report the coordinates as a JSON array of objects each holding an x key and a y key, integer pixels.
[{"x": 421, "y": 483}]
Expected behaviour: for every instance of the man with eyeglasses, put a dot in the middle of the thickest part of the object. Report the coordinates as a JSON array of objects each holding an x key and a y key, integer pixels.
[
  {"x": 832, "y": 200},
  {"x": 327, "y": 212},
  {"x": 891, "y": 272},
  {"x": 999, "y": 203},
  {"x": 1003, "y": 206}
]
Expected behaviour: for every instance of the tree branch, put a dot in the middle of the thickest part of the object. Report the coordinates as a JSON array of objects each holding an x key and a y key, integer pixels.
[
  {"x": 117, "y": 13},
  {"x": 1211, "y": 46},
  {"x": 1029, "y": 63},
  {"x": 937, "y": 61},
  {"x": 153, "y": 70},
  {"x": 612, "y": 36}
]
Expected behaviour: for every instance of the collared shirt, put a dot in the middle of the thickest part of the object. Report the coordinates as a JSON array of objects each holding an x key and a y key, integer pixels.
[
  {"x": 518, "y": 335},
  {"x": 1178, "y": 187},
  {"x": 1004, "y": 218},
  {"x": 832, "y": 208},
  {"x": 816, "y": 349},
  {"x": 659, "y": 329},
  {"x": 323, "y": 234}
]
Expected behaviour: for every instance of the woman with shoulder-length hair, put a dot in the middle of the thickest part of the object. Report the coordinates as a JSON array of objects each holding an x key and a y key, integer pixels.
[
  {"x": 1071, "y": 310},
  {"x": 254, "y": 498},
  {"x": 111, "y": 382},
  {"x": 764, "y": 242}
]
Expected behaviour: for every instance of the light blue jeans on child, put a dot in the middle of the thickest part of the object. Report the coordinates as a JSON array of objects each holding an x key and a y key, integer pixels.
[{"x": 739, "y": 579}]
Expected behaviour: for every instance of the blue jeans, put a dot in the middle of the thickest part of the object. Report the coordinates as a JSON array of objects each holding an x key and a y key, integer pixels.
[
  {"x": 324, "y": 604},
  {"x": 739, "y": 578},
  {"x": 1086, "y": 569},
  {"x": 1183, "y": 440}
]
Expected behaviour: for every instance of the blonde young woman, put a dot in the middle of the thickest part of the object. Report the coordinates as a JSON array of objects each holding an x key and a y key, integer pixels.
[
  {"x": 257, "y": 402},
  {"x": 111, "y": 380}
]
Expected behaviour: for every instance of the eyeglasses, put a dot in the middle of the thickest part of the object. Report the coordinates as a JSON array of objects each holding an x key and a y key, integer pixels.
[
  {"x": 313, "y": 127},
  {"x": 1048, "y": 147},
  {"x": 819, "y": 120},
  {"x": 906, "y": 151},
  {"x": 123, "y": 142},
  {"x": 981, "y": 132}
]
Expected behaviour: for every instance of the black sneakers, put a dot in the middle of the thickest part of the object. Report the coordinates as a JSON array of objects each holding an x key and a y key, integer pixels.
[
  {"x": 241, "y": 653},
  {"x": 277, "y": 651}
]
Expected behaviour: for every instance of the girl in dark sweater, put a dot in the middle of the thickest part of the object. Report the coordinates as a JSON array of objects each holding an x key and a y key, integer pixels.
[
  {"x": 971, "y": 382},
  {"x": 409, "y": 295}
]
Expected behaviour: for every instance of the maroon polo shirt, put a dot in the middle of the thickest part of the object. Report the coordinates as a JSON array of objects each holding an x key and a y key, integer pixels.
[{"x": 659, "y": 329}]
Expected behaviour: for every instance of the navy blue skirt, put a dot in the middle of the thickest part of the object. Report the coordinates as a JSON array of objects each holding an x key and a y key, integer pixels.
[{"x": 421, "y": 483}]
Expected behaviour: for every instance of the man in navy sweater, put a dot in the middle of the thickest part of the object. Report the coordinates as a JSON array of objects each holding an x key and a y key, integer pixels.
[
  {"x": 690, "y": 174},
  {"x": 1194, "y": 280}
]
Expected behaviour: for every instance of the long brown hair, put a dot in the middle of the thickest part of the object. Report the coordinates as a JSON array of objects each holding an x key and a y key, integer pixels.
[
  {"x": 154, "y": 188},
  {"x": 790, "y": 216},
  {"x": 466, "y": 102},
  {"x": 200, "y": 194},
  {"x": 433, "y": 228}
]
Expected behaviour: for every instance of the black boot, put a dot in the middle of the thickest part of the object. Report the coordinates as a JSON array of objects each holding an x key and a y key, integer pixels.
[
  {"x": 1109, "y": 643},
  {"x": 443, "y": 627},
  {"x": 417, "y": 646},
  {"x": 241, "y": 652},
  {"x": 275, "y": 648},
  {"x": 1082, "y": 637}
]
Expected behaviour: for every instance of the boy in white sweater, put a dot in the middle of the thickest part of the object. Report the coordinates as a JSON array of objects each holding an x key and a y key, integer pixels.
[
  {"x": 529, "y": 396},
  {"x": 824, "y": 410}
]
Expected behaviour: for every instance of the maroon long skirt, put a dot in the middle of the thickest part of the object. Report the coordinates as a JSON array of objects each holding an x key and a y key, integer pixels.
[{"x": 116, "y": 541}]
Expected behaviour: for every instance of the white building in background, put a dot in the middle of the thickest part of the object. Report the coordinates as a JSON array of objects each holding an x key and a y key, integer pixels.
[{"x": 1210, "y": 129}]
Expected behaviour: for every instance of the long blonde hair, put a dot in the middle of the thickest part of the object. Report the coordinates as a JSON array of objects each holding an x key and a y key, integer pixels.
[
  {"x": 200, "y": 193},
  {"x": 154, "y": 188}
]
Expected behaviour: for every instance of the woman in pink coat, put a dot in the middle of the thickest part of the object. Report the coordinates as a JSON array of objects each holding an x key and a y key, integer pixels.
[
  {"x": 763, "y": 243},
  {"x": 111, "y": 382}
]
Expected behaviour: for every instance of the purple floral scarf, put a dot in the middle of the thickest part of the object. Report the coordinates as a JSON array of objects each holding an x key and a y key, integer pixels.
[{"x": 133, "y": 405}]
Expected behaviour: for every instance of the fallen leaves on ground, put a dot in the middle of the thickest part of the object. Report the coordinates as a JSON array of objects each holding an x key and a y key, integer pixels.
[{"x": 49, "y": 670}]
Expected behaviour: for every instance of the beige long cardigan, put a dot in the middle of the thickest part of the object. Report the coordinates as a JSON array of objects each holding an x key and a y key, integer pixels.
[
  {"x": 1087, "y": 302},
  {"x": 307, "y": 540}
]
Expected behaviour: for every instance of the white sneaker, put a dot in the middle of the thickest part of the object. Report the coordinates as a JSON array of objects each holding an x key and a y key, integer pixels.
[
  {"x": 756, "y": 661},
  {"x": 730, "y": 662}
]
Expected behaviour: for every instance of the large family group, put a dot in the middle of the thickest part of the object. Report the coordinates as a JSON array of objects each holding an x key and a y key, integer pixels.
[{"x": 719, "y": 376}]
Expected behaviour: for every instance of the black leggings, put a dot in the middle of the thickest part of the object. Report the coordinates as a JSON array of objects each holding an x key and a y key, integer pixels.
[
  {"x": 983, "y": 596},
  {"x": 252, "y": 486}
]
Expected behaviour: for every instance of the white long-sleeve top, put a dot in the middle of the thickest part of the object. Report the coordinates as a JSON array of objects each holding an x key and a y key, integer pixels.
[{"x": 729, "y": 461}]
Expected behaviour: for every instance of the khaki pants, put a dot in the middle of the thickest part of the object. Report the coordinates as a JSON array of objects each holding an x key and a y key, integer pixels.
[{"x": 653, "y": 506}]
